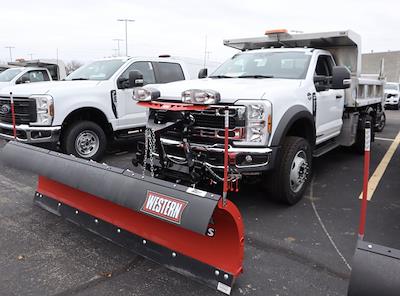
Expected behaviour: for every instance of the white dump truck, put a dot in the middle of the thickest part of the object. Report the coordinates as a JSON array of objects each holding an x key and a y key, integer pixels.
[{"x": 291, "y": 97}]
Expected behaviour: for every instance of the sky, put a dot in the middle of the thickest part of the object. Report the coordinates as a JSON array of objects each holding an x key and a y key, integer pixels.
[{"x": 84, "y": 30}]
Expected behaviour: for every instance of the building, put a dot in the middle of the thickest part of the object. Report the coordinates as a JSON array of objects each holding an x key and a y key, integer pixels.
[{"x": 371, "y": 63}]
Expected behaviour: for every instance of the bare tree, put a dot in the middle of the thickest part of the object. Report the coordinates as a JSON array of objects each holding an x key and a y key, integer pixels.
[{"x": 72, "y": 66}]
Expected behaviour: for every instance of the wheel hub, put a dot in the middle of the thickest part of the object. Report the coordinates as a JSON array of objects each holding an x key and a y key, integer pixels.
[
  {"x": 87, "y": 144},
  {"x": 299, "y": 171}
]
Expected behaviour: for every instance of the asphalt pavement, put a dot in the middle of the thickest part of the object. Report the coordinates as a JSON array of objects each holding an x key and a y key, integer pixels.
[{"x": 306, "y": 249}]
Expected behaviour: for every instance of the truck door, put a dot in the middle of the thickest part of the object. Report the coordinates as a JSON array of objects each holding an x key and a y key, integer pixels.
[
  {"x": 129, "y": 114},
  {"x": 329, "y": 102}
]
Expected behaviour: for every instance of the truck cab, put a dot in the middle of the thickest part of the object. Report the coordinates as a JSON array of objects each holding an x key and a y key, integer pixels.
[{"x": 21, "y": 75}]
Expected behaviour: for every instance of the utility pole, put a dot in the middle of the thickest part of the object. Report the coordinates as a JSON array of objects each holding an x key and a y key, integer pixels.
[
  {"x": 10, "y": 48},
  {"x": 126, "y": 32},
  {"x": 118, "y": 40},
  {"x": 205, "y": 52},
  {"x": 31, "y": 55},
  {"x": 116, "y": 52}
]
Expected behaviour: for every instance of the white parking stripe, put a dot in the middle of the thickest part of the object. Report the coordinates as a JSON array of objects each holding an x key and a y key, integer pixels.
[
  {"x": 380, "y": 170},
  {"x": 384, "y": 139}
]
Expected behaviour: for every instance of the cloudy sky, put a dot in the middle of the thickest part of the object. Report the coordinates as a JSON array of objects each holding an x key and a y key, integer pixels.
[{"x": 83, "y": 30}]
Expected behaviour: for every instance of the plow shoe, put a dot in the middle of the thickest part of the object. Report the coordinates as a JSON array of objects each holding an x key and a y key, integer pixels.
[
  {"x": 375, "y": 271},
  {"x": 185, "y": 229}
]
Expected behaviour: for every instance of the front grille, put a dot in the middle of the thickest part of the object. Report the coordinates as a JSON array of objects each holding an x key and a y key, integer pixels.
[
  {"x": 212, "y": 118},
  {"x": 208, "y": 125},
  {"x": 25, "y": 110}
]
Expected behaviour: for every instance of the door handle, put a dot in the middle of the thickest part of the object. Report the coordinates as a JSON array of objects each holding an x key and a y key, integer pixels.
[{"x": 339, "y": 96}]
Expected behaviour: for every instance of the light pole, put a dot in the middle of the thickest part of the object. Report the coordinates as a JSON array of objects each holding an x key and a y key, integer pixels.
[
  {"x": 118, "y": 40},
  {"x": 10, "y": 48},
  {"x": 126, "y": 32}
]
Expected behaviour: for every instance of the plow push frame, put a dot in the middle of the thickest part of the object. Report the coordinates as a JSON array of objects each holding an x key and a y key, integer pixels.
[{"x": 193, "y": 232}]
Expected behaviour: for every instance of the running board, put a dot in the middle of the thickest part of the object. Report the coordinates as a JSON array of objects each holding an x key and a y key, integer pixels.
[{"x": 325, "y": 148}]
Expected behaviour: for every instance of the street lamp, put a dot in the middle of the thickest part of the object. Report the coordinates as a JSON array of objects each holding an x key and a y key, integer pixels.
[
  {"x": 10, "y": 48},
  {"x": 126, "y": 32},
  {"x": 118, "y": 40}
]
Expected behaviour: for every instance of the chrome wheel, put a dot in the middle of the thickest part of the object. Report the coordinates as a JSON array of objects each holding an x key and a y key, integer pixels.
[
  {"x": 298, "y": 171},
  {"x": 87, "y": 144}
]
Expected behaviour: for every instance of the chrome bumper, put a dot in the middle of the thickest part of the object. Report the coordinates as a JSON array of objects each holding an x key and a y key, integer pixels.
[
  {"x": 220, "y": 149},
  {"x": 31, "y": 134}
]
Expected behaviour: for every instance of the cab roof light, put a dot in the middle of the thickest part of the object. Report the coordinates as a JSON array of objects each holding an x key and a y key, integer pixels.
[{"x": 276, "y": 31}]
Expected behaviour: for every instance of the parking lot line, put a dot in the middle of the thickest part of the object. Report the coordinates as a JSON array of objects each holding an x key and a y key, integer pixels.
[
  {"x": 384, "y": 139},
  {"x": 380, "y": 170}
]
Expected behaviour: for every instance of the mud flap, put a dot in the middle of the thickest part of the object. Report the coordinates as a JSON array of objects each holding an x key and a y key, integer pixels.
[
  {"x": 184, "y": 229},
  {"x": 375, "y": 271}
]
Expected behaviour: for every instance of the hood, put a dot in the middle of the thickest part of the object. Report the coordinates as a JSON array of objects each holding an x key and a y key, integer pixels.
[
  {"x": 391, "y": 91},
  {"x": 48, "y": 87},
  {"x": 4, "y": 84},
  {"x": 230, "y": 89}
]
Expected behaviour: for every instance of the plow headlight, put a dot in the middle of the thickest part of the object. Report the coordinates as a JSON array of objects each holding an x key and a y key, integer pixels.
[
  {"x": 44, "y": 109},
  {"x": 145, "y": 94},
  {"x": 201, "y": 97}
]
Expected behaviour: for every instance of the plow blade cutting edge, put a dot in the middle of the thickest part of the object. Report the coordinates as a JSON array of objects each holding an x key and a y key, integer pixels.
[{"x": 184, "y": 229}]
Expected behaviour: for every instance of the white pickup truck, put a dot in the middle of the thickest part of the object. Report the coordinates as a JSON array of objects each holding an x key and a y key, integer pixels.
[
  {"x": 392, "y": 95},
  {"x": 90, "y": 108},
  {"x": 290, "y": 97}
]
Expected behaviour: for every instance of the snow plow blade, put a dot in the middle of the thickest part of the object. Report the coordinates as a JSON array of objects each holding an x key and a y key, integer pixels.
[
  {"x": 184, "y": 229},
  {"x": 375, "y": 271}
]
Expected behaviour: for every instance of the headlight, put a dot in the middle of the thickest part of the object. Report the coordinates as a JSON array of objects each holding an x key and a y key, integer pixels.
[
  {"x": 258, "y": 118},
  {"x": 201, "y": 97},
  {"x": 44, "y": 110},
  {"x": 145, "y": 94}
]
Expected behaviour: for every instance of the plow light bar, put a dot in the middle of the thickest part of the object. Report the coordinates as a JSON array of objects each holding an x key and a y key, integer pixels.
[
  {"x": 145, "y": 94},
  {"x": 200, "y": 96}
]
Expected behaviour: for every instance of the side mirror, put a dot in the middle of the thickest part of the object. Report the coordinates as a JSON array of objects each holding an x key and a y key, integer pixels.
[
  {"x": 122, "y": 83},
  {"x": 203, "y": 73},
  {"x": 321, "y": 82},
  {"x": 135, "y": 79},
  {"x": 341, "y": 77}
]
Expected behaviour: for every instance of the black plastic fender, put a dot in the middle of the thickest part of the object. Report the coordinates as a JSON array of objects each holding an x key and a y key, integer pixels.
[{"x": 293, "y": 114}]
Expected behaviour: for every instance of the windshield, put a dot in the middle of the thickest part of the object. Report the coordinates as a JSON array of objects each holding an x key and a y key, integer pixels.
[
  {"x": 9, "y": 74},
  {"x": 387, "y": 86},
  {"x": 289, "y": 65},
  {"x": 98, "y": 70}
]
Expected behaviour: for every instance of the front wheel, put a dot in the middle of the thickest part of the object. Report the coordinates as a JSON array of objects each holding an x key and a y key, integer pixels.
[
  {"x": 85, "y": 139},
  {"x": 293, "y": 172}
]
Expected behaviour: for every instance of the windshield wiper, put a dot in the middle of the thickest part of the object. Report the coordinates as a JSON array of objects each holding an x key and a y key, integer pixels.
[
  {"x": 220, "y": 76},
  {"x": 80, "y": 78},
  {"x": 256, "y": 76}
]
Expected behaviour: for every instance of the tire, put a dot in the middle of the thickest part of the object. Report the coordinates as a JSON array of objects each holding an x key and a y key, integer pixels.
[
  {"x": 85, "y": 139},
  {"x": 381, "y": 123},
  {"x": 295, "y": 163},
  {"x": 397, "y": 107},
  {"x": 359, "y": 145}
]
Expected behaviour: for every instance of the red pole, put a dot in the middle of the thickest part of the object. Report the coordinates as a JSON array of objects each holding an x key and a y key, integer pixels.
[
  {"x": 226, "y": 160},
  {"x": 13, "y": 116},
  {"x": 364, "y": 201}
]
